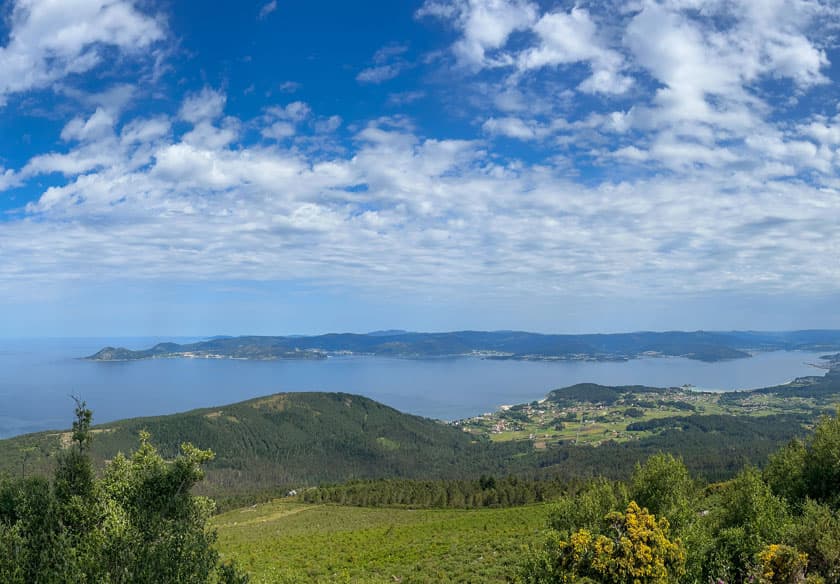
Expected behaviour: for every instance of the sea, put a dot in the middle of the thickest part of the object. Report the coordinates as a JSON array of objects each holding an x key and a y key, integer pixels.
[{"x": 39, "y": 377}]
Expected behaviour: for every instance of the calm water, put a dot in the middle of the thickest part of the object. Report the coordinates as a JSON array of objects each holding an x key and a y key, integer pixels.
[{"x": 38, "y": 376}]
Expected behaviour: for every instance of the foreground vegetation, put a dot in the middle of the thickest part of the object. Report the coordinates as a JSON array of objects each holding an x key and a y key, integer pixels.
[
  {"x": 662, "y": 526},
  {"x": 779, "y": 526},
  {"x": 138, "y": 523}
]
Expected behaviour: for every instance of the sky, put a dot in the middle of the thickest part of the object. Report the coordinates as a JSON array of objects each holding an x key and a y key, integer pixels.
[{"x": 198, "y": 168}]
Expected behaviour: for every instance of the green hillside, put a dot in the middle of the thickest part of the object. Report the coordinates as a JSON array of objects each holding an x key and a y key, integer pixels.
[
  {"x": 266, "y": 445},
  {"x": 287, "y": 439}
]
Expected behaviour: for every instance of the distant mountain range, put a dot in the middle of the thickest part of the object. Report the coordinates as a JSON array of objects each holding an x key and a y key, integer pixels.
[{"x": 698, "y": 345}]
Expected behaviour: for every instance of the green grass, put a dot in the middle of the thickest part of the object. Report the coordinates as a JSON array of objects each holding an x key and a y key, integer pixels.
[
  {"x": 609, "y": 422},
  {"x": 287, "y": 541}
]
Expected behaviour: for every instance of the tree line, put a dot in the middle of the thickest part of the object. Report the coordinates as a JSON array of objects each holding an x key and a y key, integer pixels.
[{"x": 487, "y": 491}]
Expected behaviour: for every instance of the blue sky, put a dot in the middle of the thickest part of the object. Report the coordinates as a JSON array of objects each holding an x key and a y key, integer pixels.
[{"x": 196, "y": 168}]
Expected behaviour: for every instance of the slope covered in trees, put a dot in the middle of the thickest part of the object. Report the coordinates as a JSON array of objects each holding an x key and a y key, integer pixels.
[
  {"x": 285, "y": 441},
  {"x": 288, "y": 440}
]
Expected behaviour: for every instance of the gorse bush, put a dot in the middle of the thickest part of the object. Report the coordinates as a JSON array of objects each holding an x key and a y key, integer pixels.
[
  {"x": 633, "y": 547},
  {"x": 138, "y": 523}
]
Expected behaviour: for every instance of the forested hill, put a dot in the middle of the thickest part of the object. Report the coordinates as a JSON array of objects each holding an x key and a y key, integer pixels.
[
  {"x": 300, "y": 439},
  {"x": 700, "y": 345},
  {"x": 287, "y": 439}
]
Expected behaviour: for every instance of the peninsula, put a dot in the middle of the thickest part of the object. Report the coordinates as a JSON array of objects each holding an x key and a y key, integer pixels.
[{"x": 697, "y": 345}]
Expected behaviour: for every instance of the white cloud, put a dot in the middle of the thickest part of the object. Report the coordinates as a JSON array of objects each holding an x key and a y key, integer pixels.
[
  {"x": 708, "y": 72},
  {"x": 486, "y": 26},
  {"x": 290, "y": 86},
  {"x": 296, "y": 111},
  {"x": 379, "y": 74},
  {"x": 568, "y": 38},
  {"x": 405, "y": 97},
  {"x": 279, "y": 131},
  {"x": 267, "y": 9},
  {"x": 144, "y": 131},
  {"x": 388, "y": 63},
  {"x": 511, "y": 127},
  {"x": 206, "y": 105},
  {"x": 8, "y": 179},
  {"x": 327, "y": 125},
  {"x": 99, "y": 124},
  {"x": 51, "y": 40},
  {"x": 694, "y": 183},
  {"x": 697, "y": 75},
  {"x": 280, "y": 122},
  {"x": 450, "y": 214}
]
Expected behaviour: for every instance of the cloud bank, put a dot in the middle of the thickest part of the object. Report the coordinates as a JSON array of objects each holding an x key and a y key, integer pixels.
[{"x": 667, "y": 148}]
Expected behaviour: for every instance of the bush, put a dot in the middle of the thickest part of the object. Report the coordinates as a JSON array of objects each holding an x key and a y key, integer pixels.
[
  {"x": 633, "y": 549},
  {"x": 139, "y": 523}
]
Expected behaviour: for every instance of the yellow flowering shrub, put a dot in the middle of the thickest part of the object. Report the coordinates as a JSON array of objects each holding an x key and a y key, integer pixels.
[
  {"x": 634, "y": 549},
  {"x": 781, "y": 564}
]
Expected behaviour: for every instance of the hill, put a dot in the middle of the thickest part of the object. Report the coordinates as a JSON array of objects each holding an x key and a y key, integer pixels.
[
  {"x": 698, "y": 345},
  {"x": 296, "y": 439},
  {"x": 287, "y": 439}
]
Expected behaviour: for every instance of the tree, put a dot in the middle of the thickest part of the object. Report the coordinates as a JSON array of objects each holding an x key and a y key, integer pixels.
[
  {"x": 822, "y": 462},
  {"x": 809, "y": 469},
  {"x": 662, "y": 485},
  {"x": 744, "y": 516},
  {"x": 139, "y": 523},
  {"x": 817, "y": 533},
  {"x": 588, "y": 508},
  {"x": 785, "y": 472}
]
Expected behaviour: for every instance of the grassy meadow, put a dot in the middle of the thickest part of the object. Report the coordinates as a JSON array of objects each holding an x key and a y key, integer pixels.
[{"x": 287, "y": 541}]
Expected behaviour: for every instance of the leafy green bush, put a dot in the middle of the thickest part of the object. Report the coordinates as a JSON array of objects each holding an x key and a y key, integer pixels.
[{"x": 139, "y": 523}]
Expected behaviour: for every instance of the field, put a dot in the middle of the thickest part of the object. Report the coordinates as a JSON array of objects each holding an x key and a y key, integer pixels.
[
  {"x": 556, "y": 420},
  {"x": 287, "y": 541}
]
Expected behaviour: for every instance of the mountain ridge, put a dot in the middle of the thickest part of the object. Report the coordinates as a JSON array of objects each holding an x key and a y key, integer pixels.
[{"x": 706, "y": 346}]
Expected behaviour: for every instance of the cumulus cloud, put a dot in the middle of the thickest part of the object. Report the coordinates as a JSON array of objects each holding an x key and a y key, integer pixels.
[
  {"x": 696, "y": 78},
  {"x": 50, "y": 40},
  {"x": 485, "y": 25},
  {"x": 695, "y": 178},
  {"x": 206, "y": 105},
  {"x": 450, "y": 214},
  {"x": 572, "y": 37},
  {"x": 280, "y": 122}
]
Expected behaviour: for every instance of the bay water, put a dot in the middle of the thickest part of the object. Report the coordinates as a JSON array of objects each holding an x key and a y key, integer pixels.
[{"x": 38, "y": 376}]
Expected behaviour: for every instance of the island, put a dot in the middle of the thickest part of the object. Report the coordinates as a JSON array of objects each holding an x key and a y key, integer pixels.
[{"x": 707, "y": 346}]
